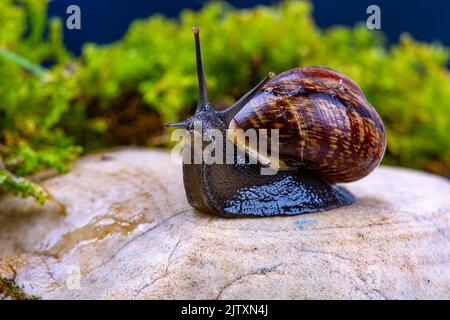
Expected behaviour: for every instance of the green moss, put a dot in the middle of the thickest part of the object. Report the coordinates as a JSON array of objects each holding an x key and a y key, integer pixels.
[
  {"x": 10, "y": 290},
  {"x": 33, "y": 99}
]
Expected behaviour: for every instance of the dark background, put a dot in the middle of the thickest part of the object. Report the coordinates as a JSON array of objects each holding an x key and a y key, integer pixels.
[{"x": 104, "y": 21}]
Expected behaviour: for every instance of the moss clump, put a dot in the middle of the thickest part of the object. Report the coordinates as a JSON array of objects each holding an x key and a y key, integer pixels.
[{"x": 8, "y": 289}]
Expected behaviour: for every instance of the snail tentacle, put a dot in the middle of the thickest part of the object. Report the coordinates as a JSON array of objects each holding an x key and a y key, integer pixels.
[{"x": 203, "y": 90}]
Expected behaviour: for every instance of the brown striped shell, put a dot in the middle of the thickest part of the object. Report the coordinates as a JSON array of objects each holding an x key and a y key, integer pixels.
[{"x": 325, "y": 123}]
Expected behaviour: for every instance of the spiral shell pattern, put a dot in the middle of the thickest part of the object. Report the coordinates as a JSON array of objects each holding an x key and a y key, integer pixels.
[{"x": 325, "y": 123}]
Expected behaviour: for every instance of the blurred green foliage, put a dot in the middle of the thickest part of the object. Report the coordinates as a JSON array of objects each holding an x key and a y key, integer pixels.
[
  {"x": 32, "y": 99},
  {"x": 115, "y": 93}
]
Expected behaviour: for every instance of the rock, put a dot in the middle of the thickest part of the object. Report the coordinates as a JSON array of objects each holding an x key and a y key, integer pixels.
[{"x": 127, "y": 232}]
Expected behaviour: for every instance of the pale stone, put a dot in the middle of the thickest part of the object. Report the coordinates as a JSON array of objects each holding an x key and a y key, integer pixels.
[{"x": 127, "y": 232}]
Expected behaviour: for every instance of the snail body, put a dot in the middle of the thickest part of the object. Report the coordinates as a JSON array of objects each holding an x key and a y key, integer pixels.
[{"x": 328, "y": 133}]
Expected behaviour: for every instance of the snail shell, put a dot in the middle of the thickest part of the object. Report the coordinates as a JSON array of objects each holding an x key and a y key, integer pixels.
[{"x": 325, "y": 123}]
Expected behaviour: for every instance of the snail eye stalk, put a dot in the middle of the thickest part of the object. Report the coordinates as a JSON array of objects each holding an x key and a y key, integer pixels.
[{"x": 203, "y": 102}]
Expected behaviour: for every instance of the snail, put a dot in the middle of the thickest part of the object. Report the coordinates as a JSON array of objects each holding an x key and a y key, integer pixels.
[{"x": 328, "y": 134}]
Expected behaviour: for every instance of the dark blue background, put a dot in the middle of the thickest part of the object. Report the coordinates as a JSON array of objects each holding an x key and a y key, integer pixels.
[{"x": 104, "y": 21}]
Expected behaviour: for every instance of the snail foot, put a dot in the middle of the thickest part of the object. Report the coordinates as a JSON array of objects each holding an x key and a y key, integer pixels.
[{"x": 244, "y": 192}]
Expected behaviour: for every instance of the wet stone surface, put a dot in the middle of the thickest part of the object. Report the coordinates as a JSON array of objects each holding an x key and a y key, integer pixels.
[{"x": 120, "y": 227}]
